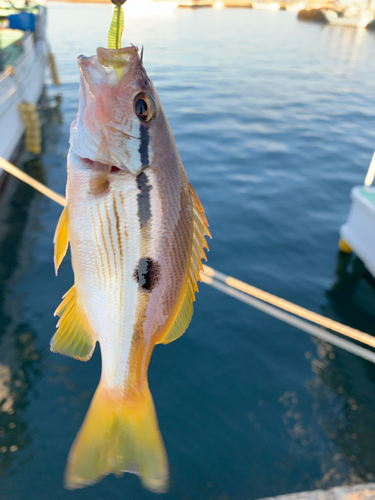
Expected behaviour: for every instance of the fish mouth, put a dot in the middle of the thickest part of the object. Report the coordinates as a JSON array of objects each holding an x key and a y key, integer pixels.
[
  {"x": 117, "y": 58},
  {"x": 108, "y": 65}
]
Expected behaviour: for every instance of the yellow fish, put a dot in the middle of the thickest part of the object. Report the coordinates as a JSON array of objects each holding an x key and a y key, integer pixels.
[{"x": 137, "y": 233}]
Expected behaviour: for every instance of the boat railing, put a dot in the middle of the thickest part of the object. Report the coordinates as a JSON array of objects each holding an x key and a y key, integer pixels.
[
  {"x": 370, "y": 172},
  {"x": 11, "y": 46},
  {"x": 13, "y": 41}
]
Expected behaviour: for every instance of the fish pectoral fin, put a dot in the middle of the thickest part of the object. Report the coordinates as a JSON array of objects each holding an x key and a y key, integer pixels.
[
  {"x": 119, "y": 435},
  {"x": 74, "y": 336},
  {"x": 200, "y": 231},
  {"x": 61, "y": 239}
]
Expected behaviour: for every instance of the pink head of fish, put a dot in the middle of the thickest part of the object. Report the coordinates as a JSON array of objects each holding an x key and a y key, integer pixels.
[{"x": 107, "y": 128}]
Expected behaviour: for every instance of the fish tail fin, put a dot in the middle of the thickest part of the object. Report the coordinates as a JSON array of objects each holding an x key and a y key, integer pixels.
[{"x": 119, "y": 434}]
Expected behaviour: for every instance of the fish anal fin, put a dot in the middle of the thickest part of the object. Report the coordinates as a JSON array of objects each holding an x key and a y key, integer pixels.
[
  {"x": 74, "y": 336},
  {"x": 61, "y": 239},
  {"x": 200, "y": 230}
]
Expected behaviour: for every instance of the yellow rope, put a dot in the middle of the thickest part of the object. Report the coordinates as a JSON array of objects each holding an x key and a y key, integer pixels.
[
  {"x": 33, "y": 135},
  {"x": 12, "y": 169},
  {"x": 365, "y": 338},
  {"x": 209, "y": 274}
]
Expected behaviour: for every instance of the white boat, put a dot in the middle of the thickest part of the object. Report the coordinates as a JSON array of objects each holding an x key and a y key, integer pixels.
[
  {"x": 265, "y": 5},
  {"x": 295, "y": 6},
  {"x": 358, "y": 233},
  {"x": 23, "y": 61},
  {"x": 353, "y": 17},
  {"x": 143, "y": 8}
]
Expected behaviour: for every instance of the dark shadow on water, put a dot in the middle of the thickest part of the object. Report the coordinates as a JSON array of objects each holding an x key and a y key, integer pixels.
[
  {"x": 20, "y": 361},
  {"x": 338, "y": 429},
  {"x": 345, "y": 408},
  {"x": 352, "y": 296},
  {"x": 344, "y": 385}
]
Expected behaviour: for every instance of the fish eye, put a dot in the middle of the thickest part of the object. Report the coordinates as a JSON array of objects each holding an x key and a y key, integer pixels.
[{"x": 145, "y": 107}]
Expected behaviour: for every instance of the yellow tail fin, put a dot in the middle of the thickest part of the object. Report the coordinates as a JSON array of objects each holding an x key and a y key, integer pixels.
[{"x": 119, "y": 435}]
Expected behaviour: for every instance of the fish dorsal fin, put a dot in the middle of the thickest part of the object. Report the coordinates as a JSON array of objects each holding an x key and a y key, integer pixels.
[
  {"x": 200, "y": 230},
  {"x": 61, "y": 239},
  {"x": 74, "y": 336}
]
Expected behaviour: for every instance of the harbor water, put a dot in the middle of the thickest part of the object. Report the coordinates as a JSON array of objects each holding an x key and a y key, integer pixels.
[{"x": 274, "y": 120}]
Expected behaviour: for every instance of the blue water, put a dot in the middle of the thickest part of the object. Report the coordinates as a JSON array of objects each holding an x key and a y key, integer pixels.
[{"x": 274, "y": 122}]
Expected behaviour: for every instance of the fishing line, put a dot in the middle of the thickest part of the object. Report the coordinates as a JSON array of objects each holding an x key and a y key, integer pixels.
[{"x": 270, "y": 304}]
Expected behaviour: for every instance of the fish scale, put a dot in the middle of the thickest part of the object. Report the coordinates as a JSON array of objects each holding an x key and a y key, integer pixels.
[{"x": 116, "y": 324}]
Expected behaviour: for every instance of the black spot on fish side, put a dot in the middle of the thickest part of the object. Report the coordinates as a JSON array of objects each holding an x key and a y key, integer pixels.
[
  {"x": 147, "y": 273},
  {"x": 144, "y": 206}
]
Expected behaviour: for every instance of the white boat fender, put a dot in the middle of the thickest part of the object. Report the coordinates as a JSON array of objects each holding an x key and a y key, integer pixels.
[{"x": 30, "y": 118}]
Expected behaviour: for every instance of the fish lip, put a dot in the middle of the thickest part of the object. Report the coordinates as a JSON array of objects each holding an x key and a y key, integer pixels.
[
  {"x": 117, "y": 57},
  {"x": 110, "y": 65}
]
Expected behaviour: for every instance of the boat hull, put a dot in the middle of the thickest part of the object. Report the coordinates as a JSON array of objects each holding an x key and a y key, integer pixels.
[
  {"x": 25, "y": 85},
  {"x": 362, "y": 20},
  {"x": 359, "y": 230}
]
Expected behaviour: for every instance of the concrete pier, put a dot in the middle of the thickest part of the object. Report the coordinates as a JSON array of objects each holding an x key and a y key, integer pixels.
[{"x": 357, "y": 492}]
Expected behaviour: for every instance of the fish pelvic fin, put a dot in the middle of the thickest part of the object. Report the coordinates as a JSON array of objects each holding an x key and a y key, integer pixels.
[
  {"x": 74, "y": 336},
  {"x": 61, "y": 239},
  {"x": 200, "y": 231},
  {"x": 119, "y": 435}
]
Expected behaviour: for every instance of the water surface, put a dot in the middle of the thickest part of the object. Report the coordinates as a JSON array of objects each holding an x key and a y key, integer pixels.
[{"x": 274, "y": 122}]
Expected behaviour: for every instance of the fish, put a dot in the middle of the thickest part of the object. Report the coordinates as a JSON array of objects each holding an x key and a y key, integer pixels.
[{"x": 137, "y": 234}]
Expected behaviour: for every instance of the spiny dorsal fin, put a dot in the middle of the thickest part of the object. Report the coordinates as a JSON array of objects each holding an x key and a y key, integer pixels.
[
  {"x": 200, "y": 230},
  {"x": 74, "y": 336},
  {"x": 61, "y": 239}
]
